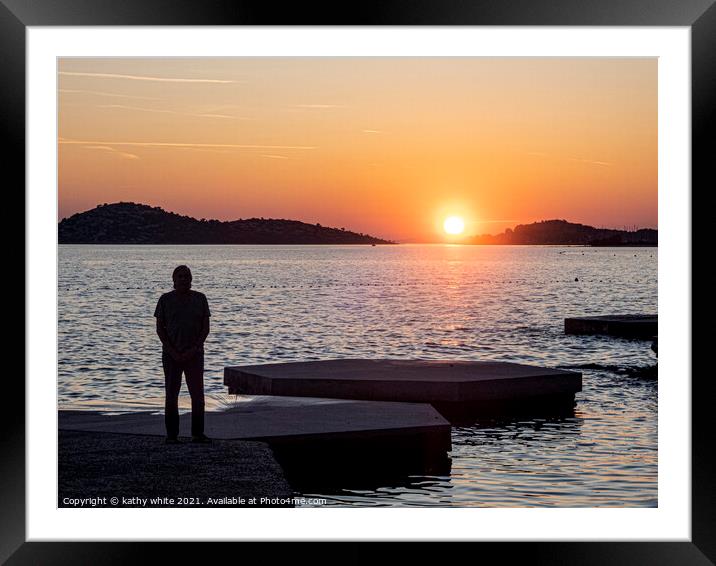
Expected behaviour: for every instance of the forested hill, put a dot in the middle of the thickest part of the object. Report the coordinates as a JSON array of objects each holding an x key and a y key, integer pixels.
[
  {"x": 130, "y": 223},
  {"x": 561, "y": 232}
]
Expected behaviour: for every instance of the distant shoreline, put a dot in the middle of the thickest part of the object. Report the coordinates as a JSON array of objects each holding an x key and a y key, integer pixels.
[
  {"x": 128, "y": 223},
  {"x": 376, "y": 245}
]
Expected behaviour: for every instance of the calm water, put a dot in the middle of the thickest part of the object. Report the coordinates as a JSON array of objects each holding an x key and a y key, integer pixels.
[{"x": 298, "y": 303}]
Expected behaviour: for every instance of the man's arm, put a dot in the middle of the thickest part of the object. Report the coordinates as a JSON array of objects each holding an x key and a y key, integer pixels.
[
  {"x": 164, "y": 337},
  {"x": 204, "y": 331},
  {"x": 202, "y": 338}
]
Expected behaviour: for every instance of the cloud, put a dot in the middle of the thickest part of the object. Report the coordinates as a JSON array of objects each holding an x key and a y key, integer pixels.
[
  {"x": 147, "y": 78},
  {"x": 204, "y": 149},
  {"x": 372, "y": 131},
  {"x": 318, "y": 106},
  {"x": 112, "y": 150},
  {"x": 275, "y": 156},
  {"x": 581, "y": 160},
  {"x": 181, "y": 144},
  {"x": 592, "y": 161},
  {"x": 98, "y": 93},
  {"x": 221, "y": 116},
  {"x": 217, "y": 108},
  {"x": 156, "y": 110},
  {"x": 121, "y": 106}
]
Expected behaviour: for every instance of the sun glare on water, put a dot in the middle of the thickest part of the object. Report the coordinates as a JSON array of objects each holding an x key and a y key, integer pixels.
[{"x": 454, "y": 225}]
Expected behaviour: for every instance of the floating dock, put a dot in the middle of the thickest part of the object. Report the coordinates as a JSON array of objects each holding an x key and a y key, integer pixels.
[
  {"x": 308, "y": 436},
  {"x": 458, "y": 389},
  {"x": 625, "y": 326}
]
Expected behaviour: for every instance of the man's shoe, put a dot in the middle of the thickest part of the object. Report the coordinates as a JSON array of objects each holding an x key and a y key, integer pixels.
[
  {"x": 201, "y": 439},
  {"x": 172, "y": 440}
]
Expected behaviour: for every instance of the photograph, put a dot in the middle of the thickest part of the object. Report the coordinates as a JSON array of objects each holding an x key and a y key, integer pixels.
[{"x": 354, "y": 281}]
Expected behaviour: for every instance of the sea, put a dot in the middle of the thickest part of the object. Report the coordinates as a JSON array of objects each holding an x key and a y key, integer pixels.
[{"x": 433, "y": 302}]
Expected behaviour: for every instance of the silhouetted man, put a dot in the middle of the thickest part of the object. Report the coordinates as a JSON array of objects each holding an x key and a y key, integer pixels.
[{"x": 182, "y": 326}]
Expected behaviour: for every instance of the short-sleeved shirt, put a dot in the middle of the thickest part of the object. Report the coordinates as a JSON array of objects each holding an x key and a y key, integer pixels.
[{"x": 183, "y": 317}]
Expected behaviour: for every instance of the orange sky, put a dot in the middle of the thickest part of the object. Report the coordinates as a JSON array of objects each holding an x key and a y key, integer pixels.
[{"x": 386, "y": 146}]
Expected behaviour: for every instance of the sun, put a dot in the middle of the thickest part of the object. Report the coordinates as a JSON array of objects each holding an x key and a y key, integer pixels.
[{"x": 454, "y": 225}]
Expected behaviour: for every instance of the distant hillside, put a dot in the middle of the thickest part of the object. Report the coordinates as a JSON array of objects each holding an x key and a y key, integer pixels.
[
  {"x": 130, "y": 223},
  {"x": 561, "y": 232}
]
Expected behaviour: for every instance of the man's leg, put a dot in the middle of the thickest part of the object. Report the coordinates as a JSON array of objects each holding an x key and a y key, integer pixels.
[
  {"x": 194, "y": 371},
  {"x": 172, "y": 386}
]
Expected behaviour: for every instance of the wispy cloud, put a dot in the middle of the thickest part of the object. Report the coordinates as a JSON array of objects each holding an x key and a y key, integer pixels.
[
  {"x": 137, "y": 108},
  {"x": 205, "y": 149},
  {"x": 319, "y": 106},
  {"x": 275, "y": 156},
  {"x": 112, "y": 150},
  {"x": 147, "y": 78},
  {"x": 372, "y": 131},
  {"x": 159, "y": 111},
  {"x": 113, "y": 94},
  {"x": 592, "y": 161},
  {"x": 218, "y": 108},
  {"x": 579, "y": 159},
  {"x": 225, "y": 116},
  {"x": 182, "y": 144}
]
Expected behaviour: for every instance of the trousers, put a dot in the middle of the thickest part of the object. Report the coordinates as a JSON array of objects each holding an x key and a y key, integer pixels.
[{"x": 193, "y": 369}]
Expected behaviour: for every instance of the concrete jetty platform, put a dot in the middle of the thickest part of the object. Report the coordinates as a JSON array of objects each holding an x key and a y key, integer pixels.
[
  {"x": 625, "y": 326},
  {"x": 307, "y": 436},
  {"x": 141, "y": 471},
  {"x": 458, "y": 389}
]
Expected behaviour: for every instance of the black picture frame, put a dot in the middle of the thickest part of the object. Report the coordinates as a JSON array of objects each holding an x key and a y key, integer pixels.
[{"x": 698, "y": 15}]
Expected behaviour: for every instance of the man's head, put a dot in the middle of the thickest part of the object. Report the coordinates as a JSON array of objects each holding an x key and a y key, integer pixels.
[{"x": 182, "y": 278}]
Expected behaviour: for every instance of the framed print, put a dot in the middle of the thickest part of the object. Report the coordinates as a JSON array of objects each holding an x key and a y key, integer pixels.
[{"x": 405, "y": 261}]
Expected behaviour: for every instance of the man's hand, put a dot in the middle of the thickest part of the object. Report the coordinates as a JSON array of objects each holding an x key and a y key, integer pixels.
[
  {"x": 187, "y": 354},
  {"x": 162, "y": 333},
  {"x": 174, "y": 354}
]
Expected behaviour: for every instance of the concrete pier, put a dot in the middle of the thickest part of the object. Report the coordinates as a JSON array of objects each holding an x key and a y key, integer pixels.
[
  {"x": 458, "y": 389},
  {"x": 141, "y": 471},
  {"x": 309, "y": 437},
  {"x": 625, "y": 326}
]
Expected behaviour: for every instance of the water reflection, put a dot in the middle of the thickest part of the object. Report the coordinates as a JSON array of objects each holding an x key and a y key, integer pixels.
[
  {"x": 293, "y": 303},
  {"x": 366, "y": 480}
]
